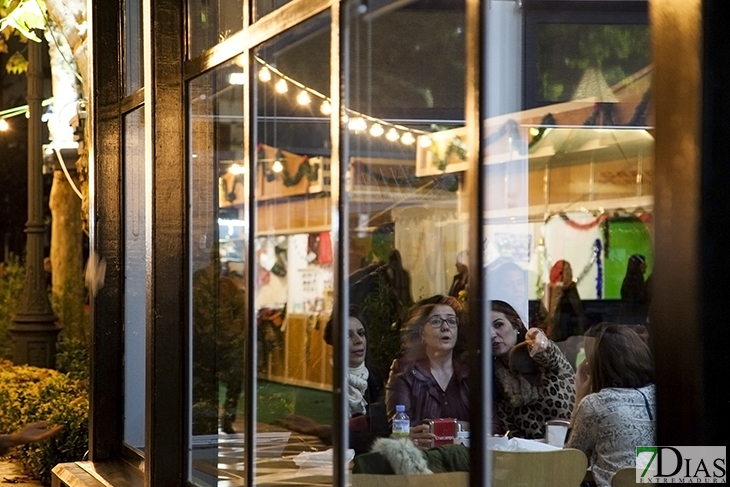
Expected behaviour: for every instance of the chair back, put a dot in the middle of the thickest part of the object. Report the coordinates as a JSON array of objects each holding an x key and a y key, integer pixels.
[
  {"x": 555, "y": 468},
  {"x": 450, "y": 479},
  {"x": 624, "y": 477}
]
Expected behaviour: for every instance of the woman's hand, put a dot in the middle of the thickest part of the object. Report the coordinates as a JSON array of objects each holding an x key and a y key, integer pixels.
[
  {"x": 536, "y": 341},
  {"x": 421, "y": 437},
  {"x": 582, "y": 382},
  {"x": 35, "y": 432}
]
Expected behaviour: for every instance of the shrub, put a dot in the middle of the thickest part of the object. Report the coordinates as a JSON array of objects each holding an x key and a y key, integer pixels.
[
  {"x": 30, "y": 394},
  {"x": 72, "y": 358},
  {"x": 12, "y": 280}
]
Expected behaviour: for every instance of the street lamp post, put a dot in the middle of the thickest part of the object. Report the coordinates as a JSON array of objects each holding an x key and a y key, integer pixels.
[{"x": 35, "y": 331}]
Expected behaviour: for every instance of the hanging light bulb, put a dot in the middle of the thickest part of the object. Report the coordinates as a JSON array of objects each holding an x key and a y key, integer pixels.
[
  {"x": 265, "y": 74},
  {"x": 326, "y": 108},
  {"x": 281, "y": 86},
  {"x": 392, "y": 135},
  {"x": 424, "y": 141},
  {"x": 407, "y": 138},
  {"x": 357, "y": 124},
  {"x": 3, "y": 125},
  {"x": 376, "y": 130},
  {"x": 277, "y": 166},
  {"x": 237, "y": 169},
  {"x": 237, "y": 78},
  {"x": 303, "y": 98}
]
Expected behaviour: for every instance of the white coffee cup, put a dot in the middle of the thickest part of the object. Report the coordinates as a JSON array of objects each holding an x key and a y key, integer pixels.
[{"x": 556, "y": 431}]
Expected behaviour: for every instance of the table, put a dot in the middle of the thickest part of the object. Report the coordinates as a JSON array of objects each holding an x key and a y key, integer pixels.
[{"x": 219, "y": 459}]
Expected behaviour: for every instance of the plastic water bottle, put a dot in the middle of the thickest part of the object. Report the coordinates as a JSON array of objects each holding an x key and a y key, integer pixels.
[{"x": 401, "y": 423}]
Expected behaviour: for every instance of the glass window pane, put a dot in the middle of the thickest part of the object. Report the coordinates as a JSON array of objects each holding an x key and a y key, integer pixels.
[
  {"x": 263, "y": 7},
  {"x": 217, "y": 247},
  {"x": 211, "y": 22},
  {"x": 133, "y": 58},
  {"x": 135, "y": 278},
  {"x": 408, "y": 216},
  {"x": 568, "y": 219},
  {"x": 294, "y": 267}
]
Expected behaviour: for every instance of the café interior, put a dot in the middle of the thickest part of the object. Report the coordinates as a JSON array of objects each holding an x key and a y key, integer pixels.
[{"x": 301, "y": 159}]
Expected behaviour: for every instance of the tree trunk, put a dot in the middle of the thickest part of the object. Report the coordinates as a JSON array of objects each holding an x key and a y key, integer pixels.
[{"x": 67, "y": 256}]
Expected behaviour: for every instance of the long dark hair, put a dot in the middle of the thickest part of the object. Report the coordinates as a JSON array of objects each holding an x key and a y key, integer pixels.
[
  {"x": 417, "y": 317},
  {"x": 512, "y": 316},
  {"x": 619, "y": 358}
]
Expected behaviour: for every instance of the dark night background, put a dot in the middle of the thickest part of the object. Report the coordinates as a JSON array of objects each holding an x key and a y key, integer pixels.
[{"x": 14, "y": 158}]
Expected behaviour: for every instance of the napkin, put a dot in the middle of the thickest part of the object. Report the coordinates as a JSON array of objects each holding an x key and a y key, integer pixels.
[{"x": 318, "y": 459}]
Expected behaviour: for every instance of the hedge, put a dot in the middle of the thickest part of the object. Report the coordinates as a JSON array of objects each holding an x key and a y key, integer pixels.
[{"x": 30, "y": 394}]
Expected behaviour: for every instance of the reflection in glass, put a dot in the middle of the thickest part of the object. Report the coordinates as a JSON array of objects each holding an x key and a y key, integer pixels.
[
  {"x": 218, "y": 301},
  {"x": 569, "y": 200},
  {"x": 579, "y": 61},
  {"x": 135, "y": 278},
  {"x": 211, "y": 22},
  {"x": 263, "y": 7},
  {"x": 408, "y": 211},
  {"x": 133, "y": 57},
  {"x": 293, "y": 246}
]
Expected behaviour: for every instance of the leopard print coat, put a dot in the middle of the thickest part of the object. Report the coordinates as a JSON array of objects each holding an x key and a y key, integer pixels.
[{"x": 524, "y": 406}]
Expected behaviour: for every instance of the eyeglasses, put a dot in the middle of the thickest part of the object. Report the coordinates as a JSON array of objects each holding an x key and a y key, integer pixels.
[{"x": 437, "y": 321}]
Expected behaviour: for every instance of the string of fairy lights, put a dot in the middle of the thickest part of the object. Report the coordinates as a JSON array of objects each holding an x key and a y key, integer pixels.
[{"x": 356, "y": 121}]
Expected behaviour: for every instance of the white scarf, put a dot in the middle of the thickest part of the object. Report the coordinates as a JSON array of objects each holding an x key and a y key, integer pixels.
[{"x": 357, "y": 380}]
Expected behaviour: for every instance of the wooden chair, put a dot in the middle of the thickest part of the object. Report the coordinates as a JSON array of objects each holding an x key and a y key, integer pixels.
[
  {"x": 557, "y": 468},
  {"x": 451, "y": 479},
  {"x": 624, "y": 477}
]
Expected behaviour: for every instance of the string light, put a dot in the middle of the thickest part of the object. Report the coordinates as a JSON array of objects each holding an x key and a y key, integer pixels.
[
  {"x": 277, "y": 166},
  {"x": 265, "y": 74},
  {"x": 281, "y": 86},
  {"x": 357, "y": 124},
  {"x": 326, "y": 108},
  {"x": 407, "y": 138},
  {"x": 3, "y": 125},
  {"x": 303, "y": 98},
  {"x": 237, "y": 79},
  {"x": 236, "y": 169},
  {"x": 376, "y": 130},
  {"x": 424, "y": 141},
  {"x": 355, "y": 121}
]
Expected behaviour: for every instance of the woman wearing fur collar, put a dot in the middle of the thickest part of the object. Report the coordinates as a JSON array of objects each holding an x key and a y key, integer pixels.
[
  {"x": 428, "y": 380},
  {"x": 366, "y": 410},
  {"x": 533, "y": 380}
]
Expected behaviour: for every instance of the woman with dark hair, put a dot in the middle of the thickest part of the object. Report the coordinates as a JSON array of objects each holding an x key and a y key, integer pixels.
[
  {"x": 533, "y": 381},
  {"x": 618, "y": 413},
  {"x": 366, "y": 409},
  {"x": 634, "y": 296},
  {"x": 429, "y": 380}
]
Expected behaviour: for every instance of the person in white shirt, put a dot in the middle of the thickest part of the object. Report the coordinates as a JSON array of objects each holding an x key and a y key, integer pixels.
[{"x": 618, "y": 413}]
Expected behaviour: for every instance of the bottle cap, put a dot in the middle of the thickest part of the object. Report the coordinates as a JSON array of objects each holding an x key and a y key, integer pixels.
[{"x": 400, "y": 408}]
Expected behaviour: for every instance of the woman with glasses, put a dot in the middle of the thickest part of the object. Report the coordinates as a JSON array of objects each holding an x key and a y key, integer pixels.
[
  {"x": 429, "y": 380},
  {"x": 533, "y": 381}
]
